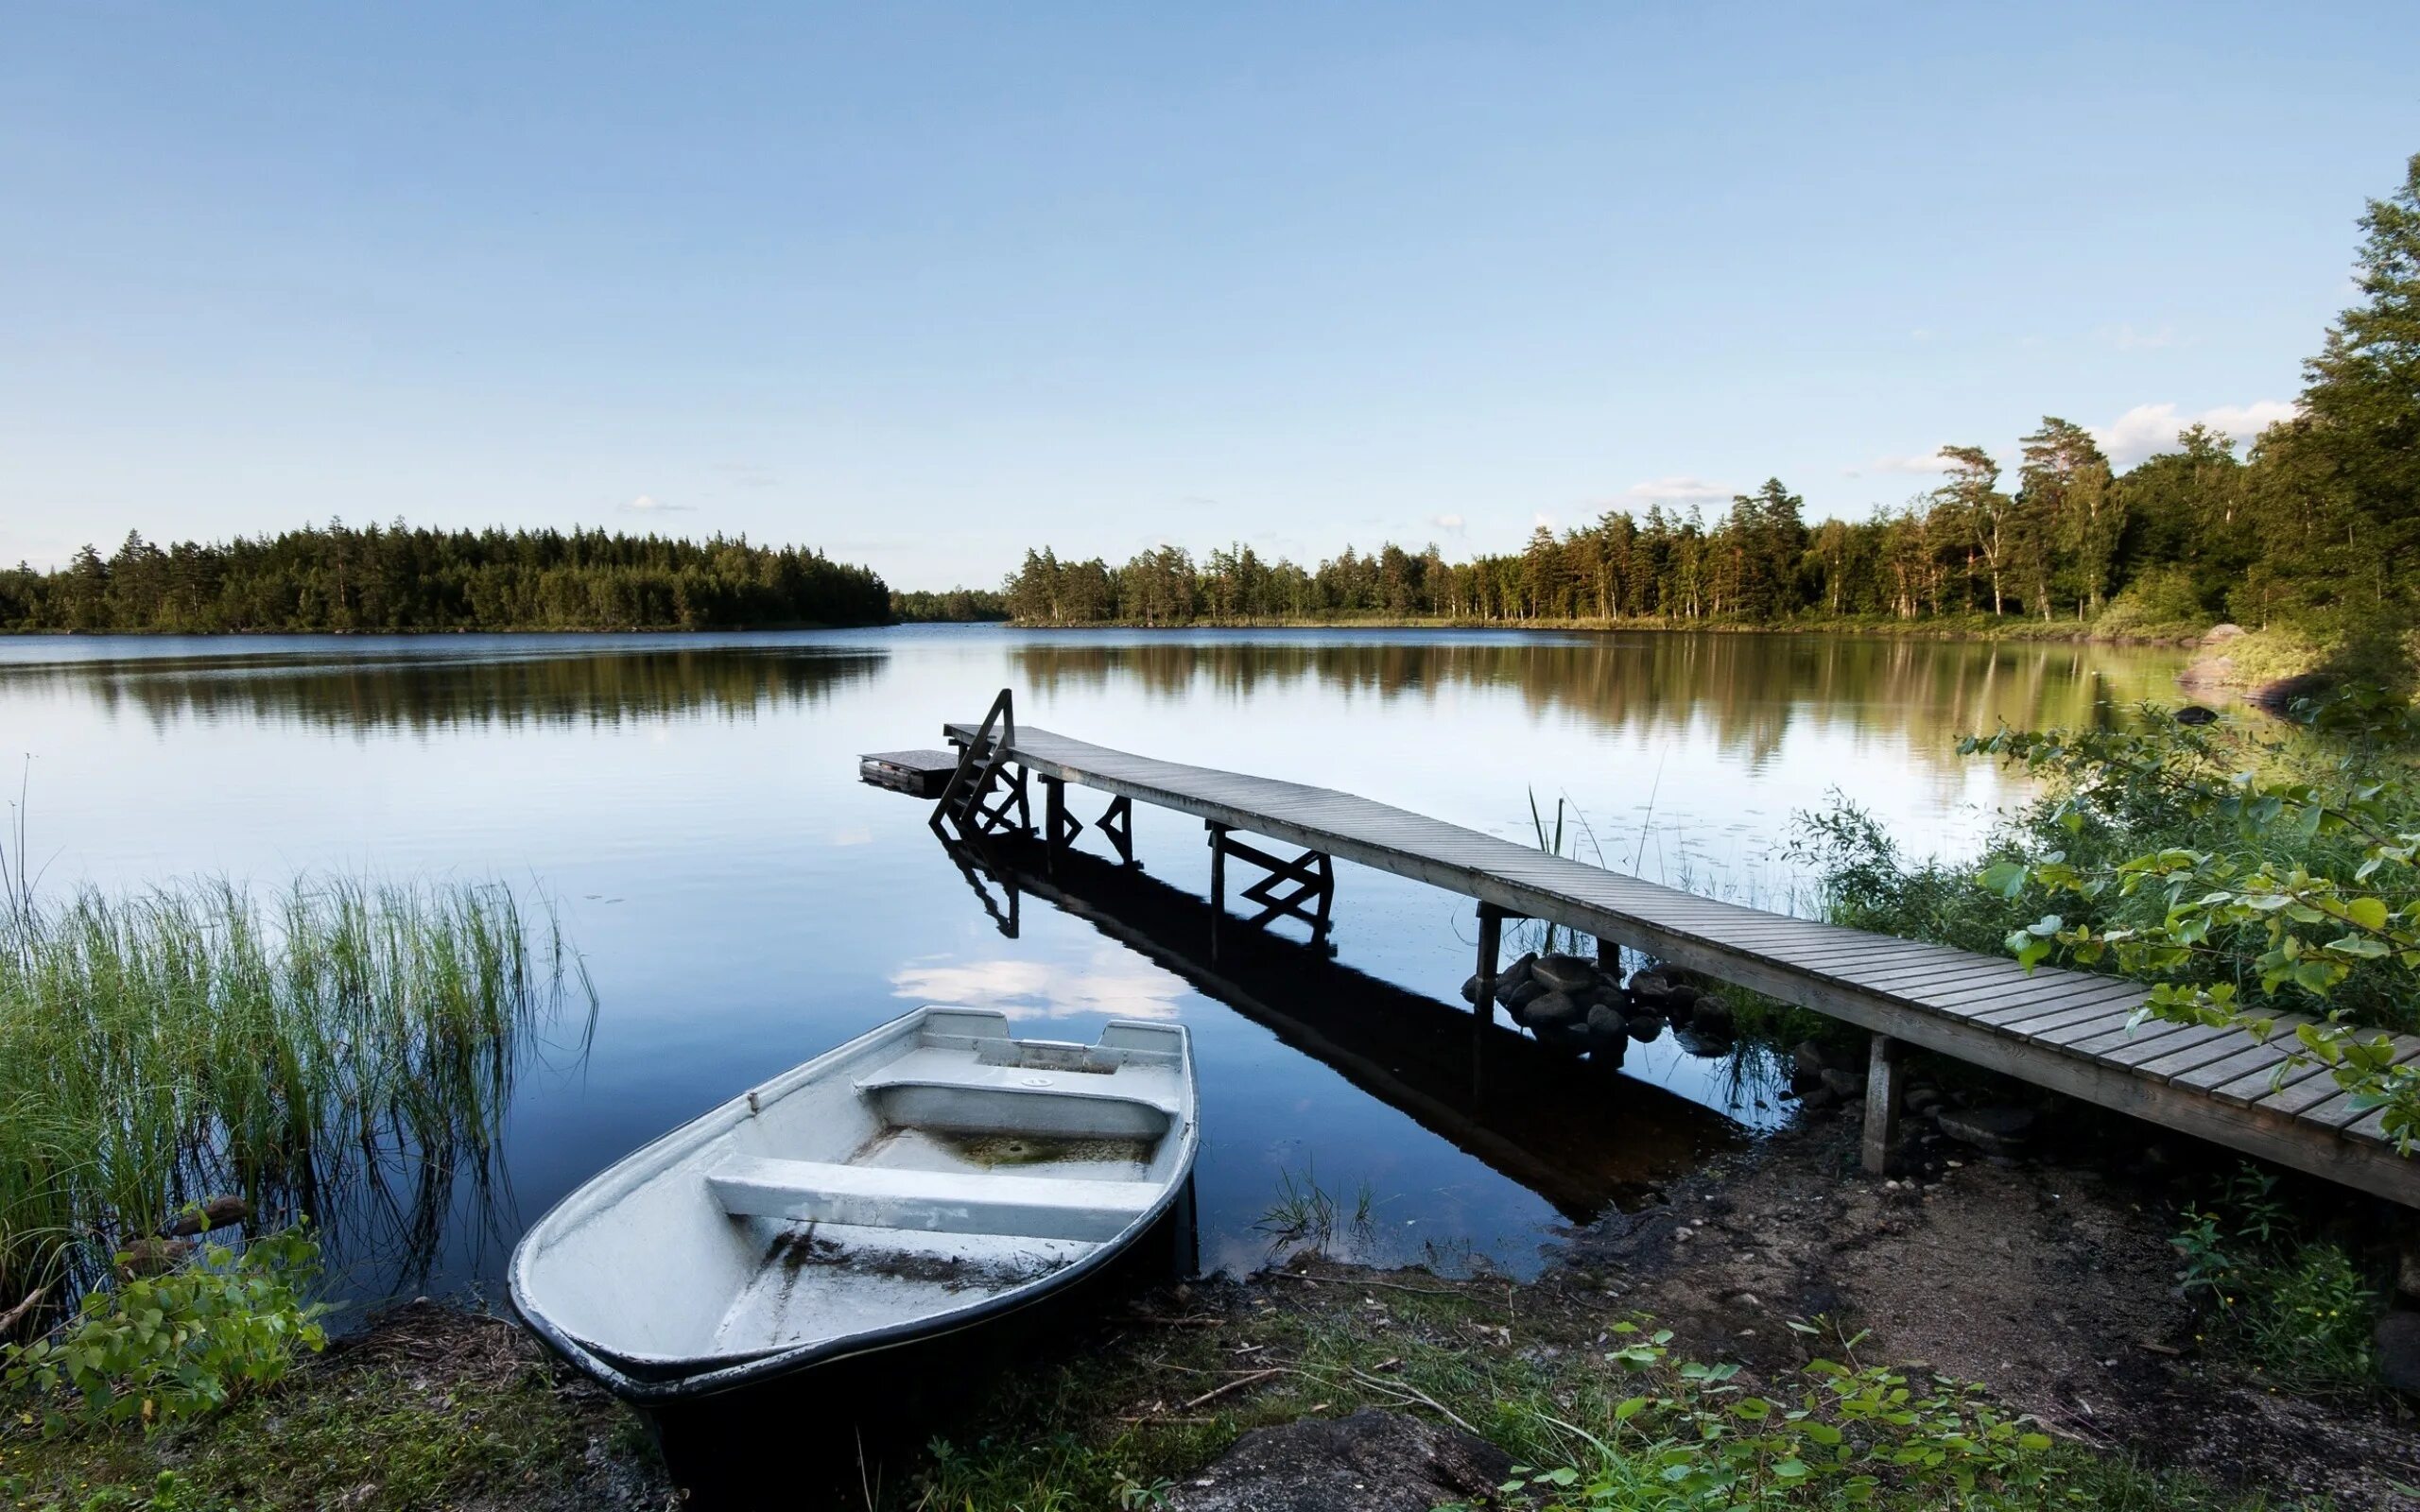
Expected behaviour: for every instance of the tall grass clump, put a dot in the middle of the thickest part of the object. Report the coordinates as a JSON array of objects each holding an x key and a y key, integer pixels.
[{"x": 341, "y": 1039}]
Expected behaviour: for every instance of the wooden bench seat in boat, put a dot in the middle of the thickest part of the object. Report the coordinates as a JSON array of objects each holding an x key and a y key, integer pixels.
[
  {"x": 937, "y": 1089},
  {"x": 933, "y": 1201}
]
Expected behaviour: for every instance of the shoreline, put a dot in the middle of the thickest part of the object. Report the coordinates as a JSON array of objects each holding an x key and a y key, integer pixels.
[{"x": 1771, "y": 1258}]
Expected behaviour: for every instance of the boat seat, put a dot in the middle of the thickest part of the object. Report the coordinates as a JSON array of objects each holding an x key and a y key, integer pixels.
[{"x": 934, "y": 1201}]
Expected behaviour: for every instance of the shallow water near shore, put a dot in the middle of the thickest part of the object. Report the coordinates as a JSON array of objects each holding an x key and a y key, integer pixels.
[{"x": 690, "y": 804}]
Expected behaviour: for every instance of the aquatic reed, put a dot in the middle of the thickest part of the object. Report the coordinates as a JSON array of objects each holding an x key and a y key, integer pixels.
[{"x": 343, "y": 1040}]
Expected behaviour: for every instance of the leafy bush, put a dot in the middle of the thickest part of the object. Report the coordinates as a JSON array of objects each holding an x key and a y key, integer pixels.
[
  {"x": 2161, "y": 600},
  {"x": 159, "y": 1348},
  {"x": 2247, "y": 873},
  {"x": 2297, "y": 1306},
  {"x": 1694, "y": 1439}
]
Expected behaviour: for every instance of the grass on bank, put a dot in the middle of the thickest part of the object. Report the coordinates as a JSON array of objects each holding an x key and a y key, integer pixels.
[
  {"x": 196, "y": 1039},
  {"x": 434, "y": 1409}
]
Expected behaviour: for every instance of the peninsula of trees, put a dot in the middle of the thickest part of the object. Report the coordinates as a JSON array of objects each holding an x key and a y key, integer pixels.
[{"x": 400, "y": 579}]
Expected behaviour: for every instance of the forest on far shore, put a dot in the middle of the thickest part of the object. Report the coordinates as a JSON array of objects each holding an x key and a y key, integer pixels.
[{"x": 396, "y": 578}]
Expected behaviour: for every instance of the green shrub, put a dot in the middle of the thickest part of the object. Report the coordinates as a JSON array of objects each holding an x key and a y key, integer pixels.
[
  {"x": 2295, "y": 1306},
  {"x": 159, "y": 1348},
  {"x": 1694, "y": 1439},
  {"x": 2161, "y": 601}
]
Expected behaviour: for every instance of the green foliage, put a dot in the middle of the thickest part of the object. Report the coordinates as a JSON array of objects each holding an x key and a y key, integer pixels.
[
  {"x": 2294, "y": 1306},
  {"x": 396, "y": 578},
  {"x": 957, "y": 606},
  {"x": 158, "y": 1049},
  {"x": 2164, "y": 598},
  {"x": 158, "y": 1350},
  {"x": 1693, "y": 1437},
  {"x": 2240, "y": 894}
]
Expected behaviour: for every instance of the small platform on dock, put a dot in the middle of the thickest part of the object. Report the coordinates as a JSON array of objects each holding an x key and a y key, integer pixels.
[
  {"x": 2072, "y": 1032},
  {"x": 923, "y": 773}
]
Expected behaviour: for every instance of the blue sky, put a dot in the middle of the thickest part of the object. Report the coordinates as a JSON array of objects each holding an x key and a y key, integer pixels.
[{"x": 922, "y": 286}]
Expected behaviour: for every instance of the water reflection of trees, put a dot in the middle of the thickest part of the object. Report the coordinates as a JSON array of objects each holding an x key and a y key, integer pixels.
[
  {"x": 605, "y": 685},
  {"x": 1747, "y": 691}
]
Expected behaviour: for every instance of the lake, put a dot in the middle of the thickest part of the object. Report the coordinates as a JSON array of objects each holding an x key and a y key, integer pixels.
[{"x": 690, "y": 804}]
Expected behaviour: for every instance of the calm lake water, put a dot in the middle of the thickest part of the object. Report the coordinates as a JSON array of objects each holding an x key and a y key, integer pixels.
[{"x": 742, "y": 902}]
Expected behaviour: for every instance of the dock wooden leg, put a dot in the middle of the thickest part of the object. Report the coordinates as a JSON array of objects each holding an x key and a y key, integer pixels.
[
  {"x": 1609, "y": 956},
  {"x": 1881, "y": 1104},
  {"x": 1118, "y": 828},
  {"x": 1491, "y": 944},
  {"x": 1217, "y": 882}
]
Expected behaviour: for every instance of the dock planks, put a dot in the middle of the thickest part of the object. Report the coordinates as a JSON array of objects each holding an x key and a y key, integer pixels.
[{"x": 2068, "y": 1031}]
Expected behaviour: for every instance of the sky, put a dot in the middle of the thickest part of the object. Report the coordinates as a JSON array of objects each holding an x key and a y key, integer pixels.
[{"x": 924, "y": 285}]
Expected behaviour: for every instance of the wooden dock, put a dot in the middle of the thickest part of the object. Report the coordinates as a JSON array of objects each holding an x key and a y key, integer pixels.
[{"x": 2068, "y": 1031}]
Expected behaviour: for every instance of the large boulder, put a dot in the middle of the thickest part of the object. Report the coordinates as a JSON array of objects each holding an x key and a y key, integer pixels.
[
  {"x": 1517, "y": 999},
  {"x": 1372, "y": 1461},
  {"x": 1605, "y": 1024},
  {"x": 1565, "y": 973},
  {"x": 1555, "y": 1010},
  {"x": 1711, "y": 1016}
]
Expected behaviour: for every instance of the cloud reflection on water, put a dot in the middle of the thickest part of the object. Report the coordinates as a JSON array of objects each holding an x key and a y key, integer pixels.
[{"x": 1112, "y": 983}]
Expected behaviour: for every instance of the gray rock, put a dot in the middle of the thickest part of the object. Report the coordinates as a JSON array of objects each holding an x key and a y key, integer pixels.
[
  {"x": 1920, "y": 1098},
  {"x": 1470, "y": 991},
  {"x": 1808, "y": 1059},
  {"x": 1651, "y": 986},
  {"x": 1519, "y": 998},
  {"x": 2407, "y": 1277},
  {"x": 1843, "y": 1084},
  {"x": 1518, "y": 972},
  {"x": 1644, "y": 1026},
  {"x": 1711, "y": 1016},
  {"x": 1565, "y": 973},
  {"x": 1994, "y": 1130},
  {"x": 1604, "y": 1024},
  {"x": 1680, "y": 995},
  {"x": 1555, "y": 1010},
  {"x": 2222, "y": 634},
  {"x": 2398, "y": 1346},
  {"x": 1372, "y": 1461},
  {"x": 1816, "y": 1097}
]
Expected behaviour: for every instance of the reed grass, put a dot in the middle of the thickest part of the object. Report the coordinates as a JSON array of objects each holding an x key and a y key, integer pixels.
[{"x": 341, "y": 1038}]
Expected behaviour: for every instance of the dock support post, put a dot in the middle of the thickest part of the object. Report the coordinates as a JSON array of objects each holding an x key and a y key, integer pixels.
[
  {"x": 1059, "y": 827},
  {"x": 1491, "y": 944},
  {"x": 1881, "y": 1104},
  {"x": 1217, "y": 881},
  {"x": 1118, "y": 827},
  {"x": 1609, "y": 957}
]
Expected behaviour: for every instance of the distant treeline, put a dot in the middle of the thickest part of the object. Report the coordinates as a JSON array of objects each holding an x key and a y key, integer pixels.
[
  {"x": 956, "y": 606},
  {"x": 2318, "y": 524},
  {"x": 399, "y": 579}
]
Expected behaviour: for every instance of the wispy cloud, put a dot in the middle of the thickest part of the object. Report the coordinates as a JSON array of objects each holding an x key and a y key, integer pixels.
[
  {"x": 1923, "y": 463},
  {"x": 748, "y": 475},
  {"x": 1675, "y": 490},
  {"x": 2147, "y": 429},
  {"x": 649, "y": 504},
  {"x": 1451, "y": 524}
]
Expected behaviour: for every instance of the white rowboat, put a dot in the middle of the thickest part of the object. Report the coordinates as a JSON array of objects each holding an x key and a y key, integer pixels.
[{"x": 922, "y": 1179}]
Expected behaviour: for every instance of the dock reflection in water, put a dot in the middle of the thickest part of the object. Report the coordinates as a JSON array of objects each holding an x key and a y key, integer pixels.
[{"x": 1584, "y": 1138}]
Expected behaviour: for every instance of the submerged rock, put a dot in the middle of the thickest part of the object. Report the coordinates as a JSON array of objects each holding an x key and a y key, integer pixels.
[
  {"x": 219, "y": 1213},
  {"x": 1997, "y": 1130},
  {"x": 1372, "y": 1461}
]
